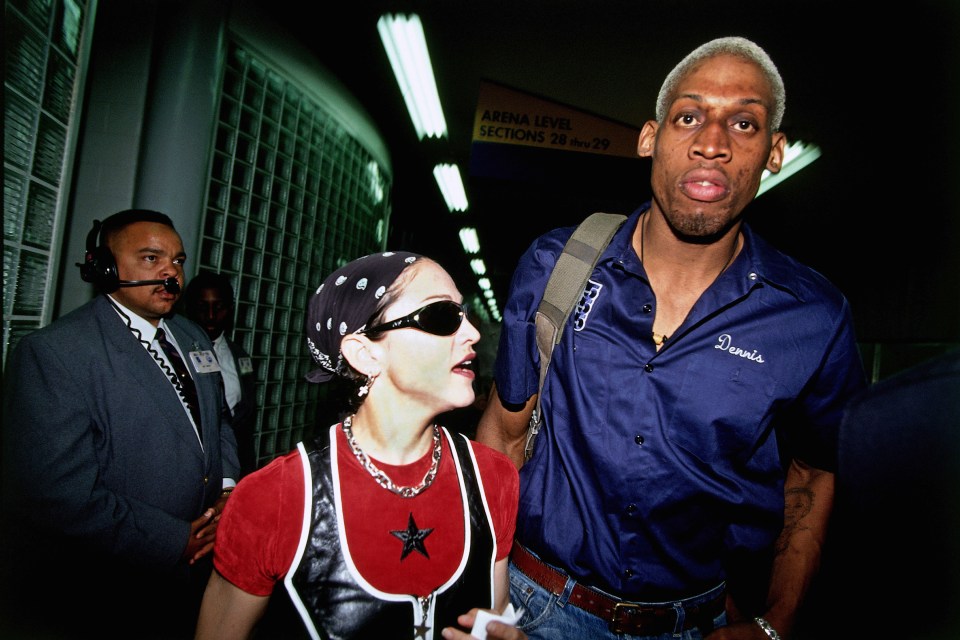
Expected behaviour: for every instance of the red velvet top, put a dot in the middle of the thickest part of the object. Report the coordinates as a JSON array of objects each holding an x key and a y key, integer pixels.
[{"x": 261, "y": 525}]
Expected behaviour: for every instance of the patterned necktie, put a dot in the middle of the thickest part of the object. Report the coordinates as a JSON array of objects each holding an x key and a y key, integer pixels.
[{"x": 187, "y": 386}]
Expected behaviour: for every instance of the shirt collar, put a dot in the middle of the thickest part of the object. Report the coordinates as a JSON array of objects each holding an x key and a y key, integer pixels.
[
  {"x": 758, "y": 259},
  {"x": 767, "y": 264},
  {"x": 142, "y": 326},
  {"x": 621, "y": 245}
]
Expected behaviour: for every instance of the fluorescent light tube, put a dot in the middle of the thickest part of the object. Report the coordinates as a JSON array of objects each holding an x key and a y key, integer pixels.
[
  {"x": 479, "y": 268},
  {"x": 469, "y": 240},
  {"x": 451, "y": 186},
  {"x": 796, "y": 156},
  {"x": 406, "y": 49}
]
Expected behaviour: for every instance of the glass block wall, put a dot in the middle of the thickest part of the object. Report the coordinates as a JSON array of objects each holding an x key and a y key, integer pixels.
[
  {"x": 291, "y": 196},
  {"x": 44, "y": 54}
]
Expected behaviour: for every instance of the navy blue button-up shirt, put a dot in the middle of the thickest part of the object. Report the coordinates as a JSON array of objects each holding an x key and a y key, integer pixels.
[{"x": 653, "y": 469}]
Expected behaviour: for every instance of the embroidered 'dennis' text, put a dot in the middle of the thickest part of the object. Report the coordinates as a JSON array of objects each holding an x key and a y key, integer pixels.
[{"x": 725, "y": 343}]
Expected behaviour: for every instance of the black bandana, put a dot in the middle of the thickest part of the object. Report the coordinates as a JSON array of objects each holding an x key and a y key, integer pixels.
[{"x": 344, "y": 303}]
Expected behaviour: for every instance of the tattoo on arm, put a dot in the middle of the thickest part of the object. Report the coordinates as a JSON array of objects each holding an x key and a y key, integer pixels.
[{"x": 797, "y": 506}]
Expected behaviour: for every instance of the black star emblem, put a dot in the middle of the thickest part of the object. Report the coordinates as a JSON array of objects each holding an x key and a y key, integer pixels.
[
  {"x": 412, "y": 538},
  {"x": 420, "y": 630}
]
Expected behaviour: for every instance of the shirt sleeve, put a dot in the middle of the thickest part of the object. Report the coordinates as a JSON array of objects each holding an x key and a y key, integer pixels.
[
  {"x": 813, "y": 435},
  {"x": 516, "y": 370},
  {"x": 260, "y": 527}
]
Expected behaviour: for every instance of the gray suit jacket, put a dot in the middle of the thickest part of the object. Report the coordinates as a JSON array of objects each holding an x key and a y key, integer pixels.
[{"x": 97, "y": 447}]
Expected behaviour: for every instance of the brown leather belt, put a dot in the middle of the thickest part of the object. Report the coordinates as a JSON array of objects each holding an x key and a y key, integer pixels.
[{"x": 623, "y": 616}]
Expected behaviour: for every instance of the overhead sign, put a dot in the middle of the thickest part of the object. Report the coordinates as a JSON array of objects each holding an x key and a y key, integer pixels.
[{"x": 509, "y": 116}]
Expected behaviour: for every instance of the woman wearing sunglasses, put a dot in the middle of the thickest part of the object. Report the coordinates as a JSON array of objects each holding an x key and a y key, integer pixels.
[{"x": 386, "y": 525}]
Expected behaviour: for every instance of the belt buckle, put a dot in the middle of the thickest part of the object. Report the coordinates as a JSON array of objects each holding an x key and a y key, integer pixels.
[{"x": 635, "y": 626}]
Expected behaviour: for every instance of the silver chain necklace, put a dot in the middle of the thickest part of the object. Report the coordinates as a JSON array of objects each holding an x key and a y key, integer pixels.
[{"x": 382, "y": 478}]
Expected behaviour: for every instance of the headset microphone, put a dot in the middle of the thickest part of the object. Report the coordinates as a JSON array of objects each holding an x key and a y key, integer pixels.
[{"x": 171, "y": 284}]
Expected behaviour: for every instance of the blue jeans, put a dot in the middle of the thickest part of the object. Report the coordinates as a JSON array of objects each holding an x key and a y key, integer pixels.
[{"x": 550, "y": 617}]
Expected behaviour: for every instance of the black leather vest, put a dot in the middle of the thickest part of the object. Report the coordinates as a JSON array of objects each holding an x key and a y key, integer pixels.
[{"x": 335, "y": 605}]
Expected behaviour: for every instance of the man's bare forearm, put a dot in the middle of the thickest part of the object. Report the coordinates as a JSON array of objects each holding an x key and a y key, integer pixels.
[{"x": 808, "y": 495}]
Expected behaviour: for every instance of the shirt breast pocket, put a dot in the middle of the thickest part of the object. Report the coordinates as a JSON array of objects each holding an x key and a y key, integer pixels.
[
  {"x": 579, "y": 382},
  {"x": 721, "y": 410}
]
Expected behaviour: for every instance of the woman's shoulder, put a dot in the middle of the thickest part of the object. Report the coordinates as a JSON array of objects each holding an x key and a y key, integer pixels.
[
  {"x": 281, "y": 469},
  {"x": 489, "y": 457}
]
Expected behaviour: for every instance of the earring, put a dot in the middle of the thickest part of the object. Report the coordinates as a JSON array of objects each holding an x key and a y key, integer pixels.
[{"x": 365, "y": 387}]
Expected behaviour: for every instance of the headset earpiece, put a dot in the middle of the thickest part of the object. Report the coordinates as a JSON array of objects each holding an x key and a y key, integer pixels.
[{"x": 99, "y": 265}]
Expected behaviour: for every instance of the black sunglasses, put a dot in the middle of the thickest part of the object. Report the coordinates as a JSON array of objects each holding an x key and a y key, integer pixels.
[{"x": 441, "y": 318}]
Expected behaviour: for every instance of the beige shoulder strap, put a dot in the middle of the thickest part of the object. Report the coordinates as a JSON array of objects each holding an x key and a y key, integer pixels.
[{"x": 564, "y": 288}]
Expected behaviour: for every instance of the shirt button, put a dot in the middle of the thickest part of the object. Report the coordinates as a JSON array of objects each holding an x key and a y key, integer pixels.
[
  {"x": 631, "y": 509},
  {"x": 206, "y": 479},
  {"x": 753, "y": 276},
  {"x": 638, "y": 439},
  {"x": 648, "y": 367},
  {"x": 647, "y": 308},
  {"x": 628, "y": 573}
]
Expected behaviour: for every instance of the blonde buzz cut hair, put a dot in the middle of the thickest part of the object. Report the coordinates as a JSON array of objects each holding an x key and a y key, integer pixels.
[{"x": 735, "y": 46}]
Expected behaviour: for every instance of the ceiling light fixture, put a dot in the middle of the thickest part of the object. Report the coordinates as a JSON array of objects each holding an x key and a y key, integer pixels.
[
  {"x": 469, "y": 240},
  {"x": 478, "y": 267},
  {"x": 451, "y": 186},
  {"x": 494, "y": 309},
  {"x": 796, "y": 156},
  {"x": 406, "y": 48}
]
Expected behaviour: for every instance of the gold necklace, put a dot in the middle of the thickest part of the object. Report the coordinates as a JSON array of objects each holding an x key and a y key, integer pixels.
[
  {"x": 382, "y": 478},
  {"x": 659, "y": 338}
]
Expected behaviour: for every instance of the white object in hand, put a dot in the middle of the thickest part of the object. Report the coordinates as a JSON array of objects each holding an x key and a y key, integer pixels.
[{"x": 509, "y": 616}]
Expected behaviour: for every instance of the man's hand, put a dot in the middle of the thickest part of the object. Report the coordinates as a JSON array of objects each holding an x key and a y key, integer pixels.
[{"x": 203, "y": 531}]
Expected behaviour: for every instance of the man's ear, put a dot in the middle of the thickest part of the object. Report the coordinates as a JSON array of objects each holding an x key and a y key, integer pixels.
[
  {"x": 775, "y": 159},
  {"x": 361, "y": 353},
  {"x": 647, "y": 139}
]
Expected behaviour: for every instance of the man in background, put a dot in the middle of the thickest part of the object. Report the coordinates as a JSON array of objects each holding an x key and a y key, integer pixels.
[
  {"x": 209, "y": 301},
  {"x": 117, "y": 459},
  {"x": 897, "y": 509}
]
